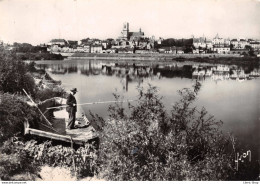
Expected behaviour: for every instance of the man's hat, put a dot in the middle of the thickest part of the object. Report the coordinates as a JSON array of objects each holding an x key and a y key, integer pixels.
[{"x": 74, "y": 90}]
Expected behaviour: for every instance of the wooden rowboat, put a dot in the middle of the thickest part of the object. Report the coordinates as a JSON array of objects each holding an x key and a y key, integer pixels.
[{"x": 83, "y": 134}]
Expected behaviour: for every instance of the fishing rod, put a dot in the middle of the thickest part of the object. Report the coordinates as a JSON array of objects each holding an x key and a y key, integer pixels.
[
  {"x": 91, "y": 103},
  {"x": 37, "y": 107}
]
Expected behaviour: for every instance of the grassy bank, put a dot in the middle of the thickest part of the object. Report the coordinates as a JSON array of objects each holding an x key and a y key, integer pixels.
[
  {"x": 199, "y": 58},
  {"x": 153, "y": 55}
]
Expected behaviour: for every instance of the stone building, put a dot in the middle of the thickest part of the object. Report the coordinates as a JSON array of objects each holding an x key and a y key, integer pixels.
[
  {"x": 221, "y": 42},
  {"x": 130, "y": 36}
]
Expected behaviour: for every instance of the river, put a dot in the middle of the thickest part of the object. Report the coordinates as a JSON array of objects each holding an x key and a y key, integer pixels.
[{"x": 228, "y": 93}]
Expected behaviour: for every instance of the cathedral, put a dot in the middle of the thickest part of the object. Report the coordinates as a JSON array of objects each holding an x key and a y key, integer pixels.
[{"x": 130, "y": 36}]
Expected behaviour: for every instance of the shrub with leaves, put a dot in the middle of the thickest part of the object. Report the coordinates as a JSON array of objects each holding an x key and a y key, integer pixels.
[
  {"x": 13, "y": 74},
  {"x": 14, "y": 112},
  {"x": 16, "y": 163},
  {"x": 150, "y": 144},
  {"x": 81, "y": 161},
  {"x": 48, "y": 93}
]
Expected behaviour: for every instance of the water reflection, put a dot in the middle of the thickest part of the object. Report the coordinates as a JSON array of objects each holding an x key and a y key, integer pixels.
[
  {"x": 222, "y": 72},
  {"x": 138, "y": 71}
]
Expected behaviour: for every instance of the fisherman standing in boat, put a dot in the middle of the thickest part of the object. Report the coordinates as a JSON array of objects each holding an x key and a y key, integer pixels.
[{"x": 72, "y": 108}]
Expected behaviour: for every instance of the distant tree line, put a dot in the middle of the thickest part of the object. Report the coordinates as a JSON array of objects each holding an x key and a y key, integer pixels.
[
  {"x": 185, "y": 44},
  {"x": 26, "y": 51},
  {"x": 40, "y": 56},
  {"x": 28, "y": 48},
  {"x": 171, "y": 42}
]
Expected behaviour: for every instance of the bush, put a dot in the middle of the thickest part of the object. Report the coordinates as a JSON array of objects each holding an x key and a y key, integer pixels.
[
  {"x": 13, "y": 75},
  {"x": 48, "y": 93},
  {"x": 31, "y": 67},
  {"x": 16, "y": 163},
  {"x": 81, "y": 162},
  {"x": 150, "y": 144},
  {"x": 40, "y": 56},
  {"x": 14, "y": 112}
]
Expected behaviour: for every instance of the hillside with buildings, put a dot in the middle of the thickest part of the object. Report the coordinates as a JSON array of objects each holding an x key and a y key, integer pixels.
[{"x": 130, "y": 42}]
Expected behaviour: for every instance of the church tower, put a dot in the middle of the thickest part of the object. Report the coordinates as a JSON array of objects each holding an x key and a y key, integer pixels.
[{"x": 125, "y": 32}]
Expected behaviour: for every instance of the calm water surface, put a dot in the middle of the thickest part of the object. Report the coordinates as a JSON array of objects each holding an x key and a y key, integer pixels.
[{"x": 235, "y": 102}]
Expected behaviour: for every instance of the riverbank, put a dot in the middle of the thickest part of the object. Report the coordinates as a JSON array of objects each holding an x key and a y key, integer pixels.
[
  {"x": 203, "y": 58},
  {"x": 150, "y": 56},
  {"x": 39, "y": 56}
]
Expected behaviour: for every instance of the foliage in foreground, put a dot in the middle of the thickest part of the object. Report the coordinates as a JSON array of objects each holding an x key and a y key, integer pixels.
[
  {"x": 20, "y": 157},
  {"x": 14, "y": 112},
  {"x": 149, "y": 144},
  {"x": 82, "y": 162},
  {"x": 16, "y": 161}
]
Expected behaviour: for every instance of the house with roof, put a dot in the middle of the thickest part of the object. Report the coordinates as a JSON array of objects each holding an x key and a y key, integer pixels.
[
  {"x": 104, "y": 44},
  {"x": 217, "y": 40},
  {"x": 242, "y": 43},
  {"x": 54, "y": 48},
  {"x": 220, "y": 42},
  {"x": 60, "y": 42},
  {"x": 209, "y": 45},
  {"x": 202, "y": 44},
  {"x": 239, "y": 43},
  {"x": 96, "y": 48},
  {"x": 72, "y": 43},
  {"x": 97, "y": 42},
  {"x": 221, "y": 49},
  {"x": 199, "y": 42},
  {"x": 66, "y": 49},
  {"x": 79, "y": 49},
  {"x": 255, "y": 45},
  {"x": 234, "y": 43},
  {"x": 87, "y": 48}
]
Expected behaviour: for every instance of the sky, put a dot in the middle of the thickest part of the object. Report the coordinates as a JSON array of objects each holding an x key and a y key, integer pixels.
[{"x": 39, "y": 21}]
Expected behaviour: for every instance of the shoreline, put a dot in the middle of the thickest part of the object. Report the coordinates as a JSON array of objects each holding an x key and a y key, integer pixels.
[
  {"x": 148, "y": 56},
  {"x": 163, "y": 59}
]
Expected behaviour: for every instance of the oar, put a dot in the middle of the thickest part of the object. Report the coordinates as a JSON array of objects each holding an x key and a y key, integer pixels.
[
  {"x": 91, "y": 103},
  {"x": 37, "y": 107}
]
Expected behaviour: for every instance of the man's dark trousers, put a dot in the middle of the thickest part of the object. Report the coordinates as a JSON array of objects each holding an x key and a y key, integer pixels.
[
  {"x": 72, "y": 119},
  {"x": 71, "y": 109}
]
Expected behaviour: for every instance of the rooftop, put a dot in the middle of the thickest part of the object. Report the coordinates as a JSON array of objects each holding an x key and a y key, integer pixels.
[{"x": 58, "y": 40}]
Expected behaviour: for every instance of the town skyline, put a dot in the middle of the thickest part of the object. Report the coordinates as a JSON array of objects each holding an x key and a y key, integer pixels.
[{"x": 38, "y": 22}]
